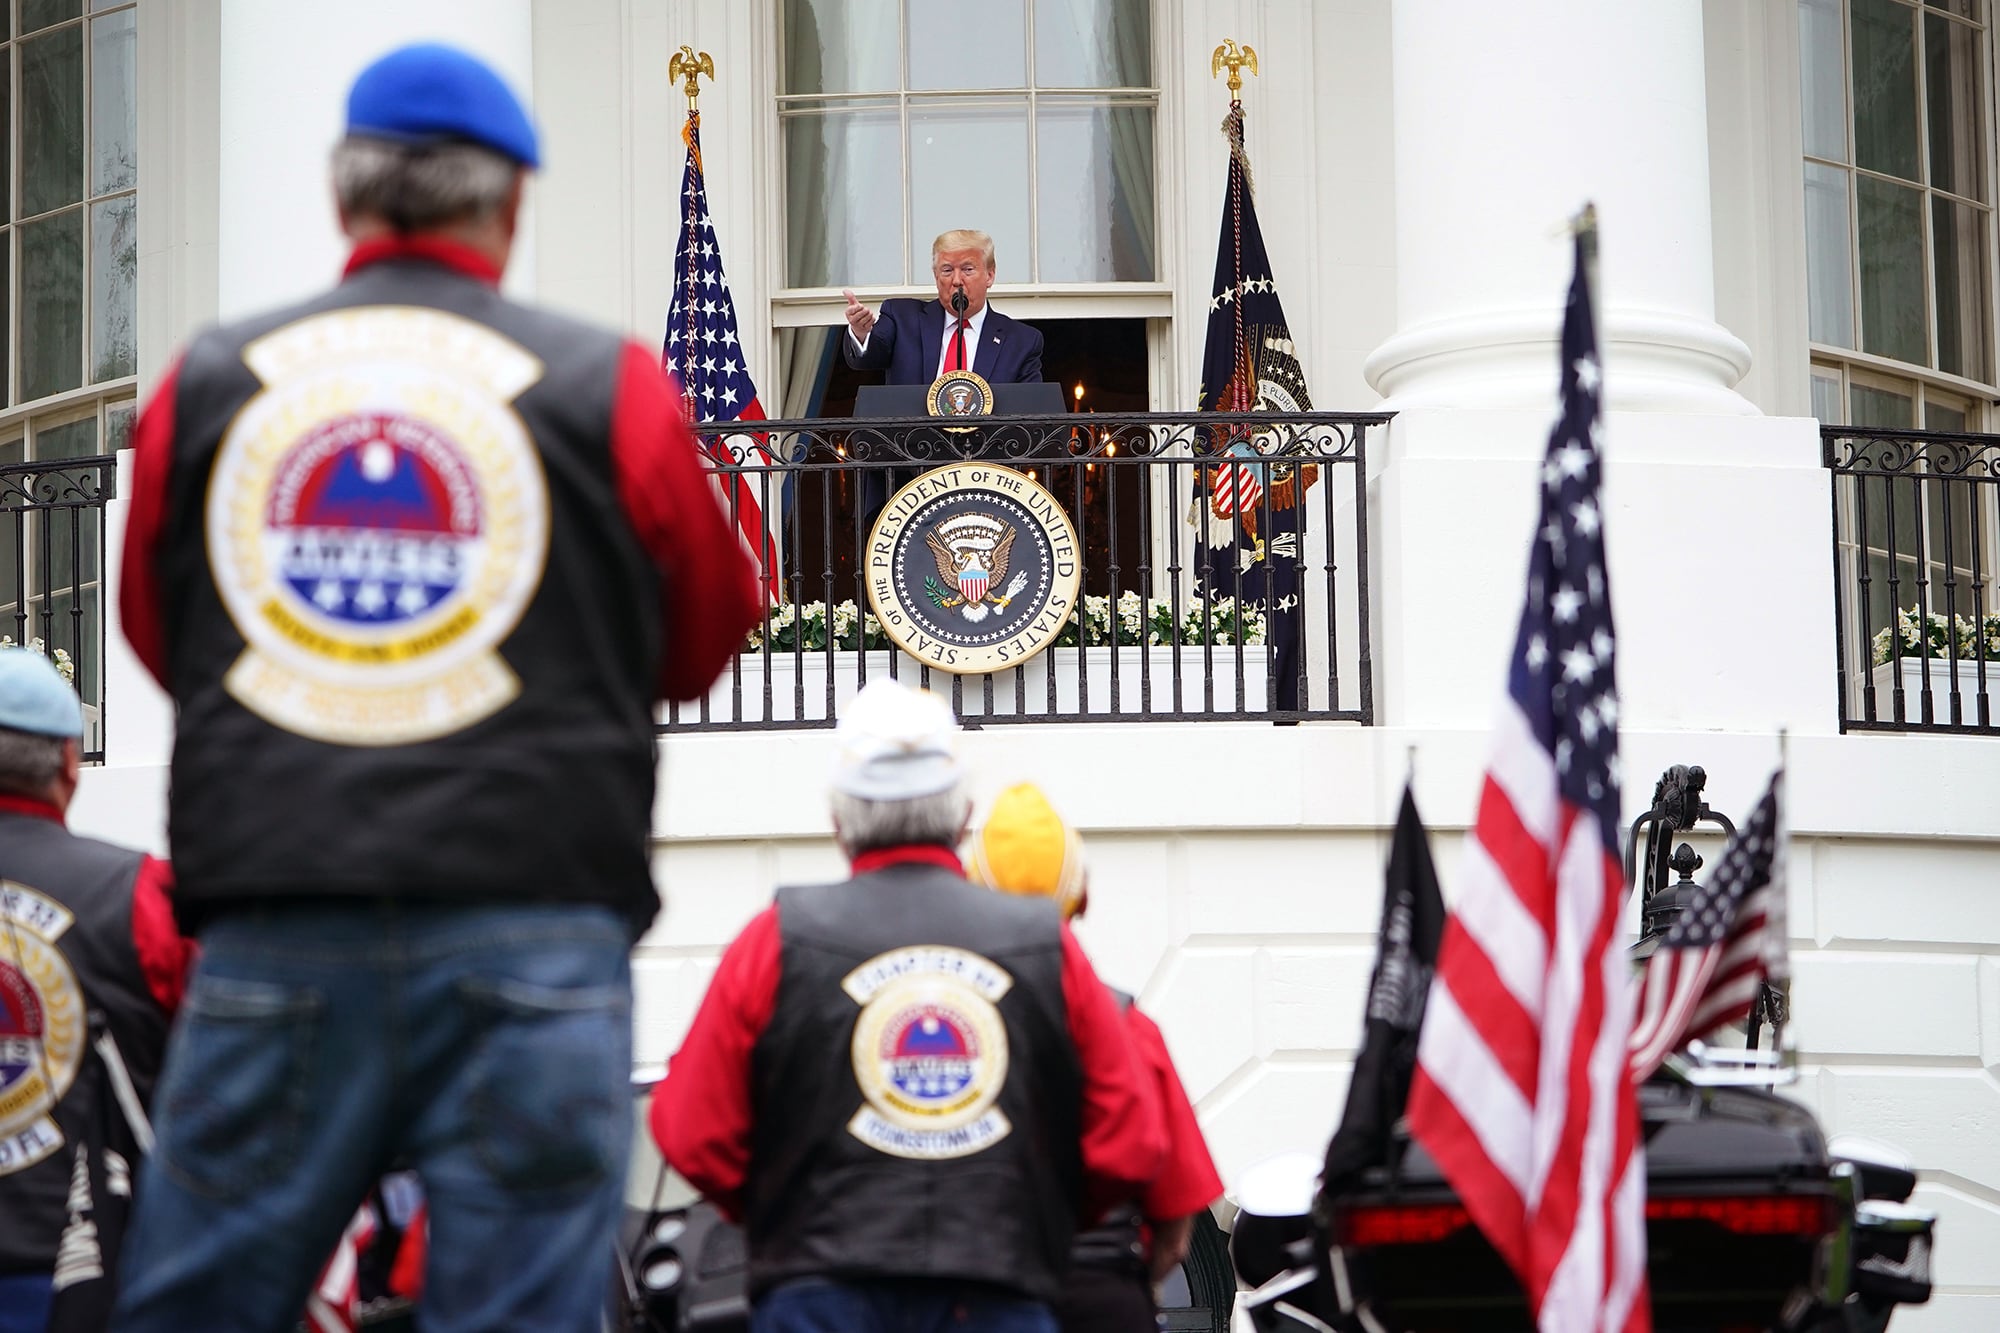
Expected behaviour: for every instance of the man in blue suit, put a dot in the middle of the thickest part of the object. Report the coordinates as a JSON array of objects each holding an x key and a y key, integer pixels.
[{"x": 916, "y": 341}]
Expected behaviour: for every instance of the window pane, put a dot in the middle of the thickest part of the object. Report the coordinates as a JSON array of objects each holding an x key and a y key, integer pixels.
[
  {"x": 52, "y": 305},
  {"x": 6, "y": 325},
  {"x": 1885, "y": 87},
  {"x": 1826, "y": 399},
  {"x": 1944, "y": 416},
  {"x": 1094, "y": 187},
  {"x": 114, "y": 111},
  {"x": 51, "y": 121},
  {"x": 1094, "y": 44},
  {"x": 1822, "y": 79},
  {"x": 1957, "y": 94},
  {"x": 840, "y": 46},
  {"x": 72, "y": 439},
  {"x": 118, "y": 426},
  {"x": 6, "y": 138},
  {"x": 1963, "y": 8},
  {"x": 114, "y": 275},
  {"x": 1958, "y": 241},
  {"x": 41, "y": 13},
  {"x": 967, "y": 44},
  {"x": 1829, "y": 257},
  {"x": 844, "y": 180},
  {"x": 1948, "y": 525},
  {"x": 1887, "y": 408},
  {"x": 1892, "y": 270},
  {"x": 983, "y": 153}
]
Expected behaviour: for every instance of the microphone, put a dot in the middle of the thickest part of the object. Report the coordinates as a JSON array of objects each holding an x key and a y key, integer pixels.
[{"x": 958, "y": 302}]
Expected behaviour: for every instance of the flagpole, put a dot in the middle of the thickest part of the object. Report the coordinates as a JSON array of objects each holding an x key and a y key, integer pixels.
[
  {"x": 1584, "y": 227},
  {"x": 689, "y": 65}
]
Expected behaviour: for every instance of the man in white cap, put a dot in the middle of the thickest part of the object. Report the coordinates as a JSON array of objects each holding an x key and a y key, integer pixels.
[
  {"x": 86, "y": 937},
  {"x": 907, "y": 1089},
  {"x": 415, "y": 561}
]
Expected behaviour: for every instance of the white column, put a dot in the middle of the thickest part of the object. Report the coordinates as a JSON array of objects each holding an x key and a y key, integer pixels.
[
  {"x": 1508, "y": 117},
  {"x": 285, "y": 69}
]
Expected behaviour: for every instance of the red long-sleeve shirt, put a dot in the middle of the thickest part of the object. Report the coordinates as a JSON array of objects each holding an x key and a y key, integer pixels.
[
  {"x": 1187, "y": 1181},
  {"x": 708, "y": 585},
  {"x": 702, "y": 1114},
  {"x": 165, "y": 955}
]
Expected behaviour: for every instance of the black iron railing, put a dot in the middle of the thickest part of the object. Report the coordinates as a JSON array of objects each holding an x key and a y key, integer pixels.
[
  {"x": 1916, "y": 522},
  {"x": 1194, "y": 607},
  {"x": 52, "y": 570}
]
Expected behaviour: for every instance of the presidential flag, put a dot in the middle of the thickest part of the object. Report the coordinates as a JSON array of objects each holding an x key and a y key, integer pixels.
[
  {"x": 1727, "y": 944},
  {"x": 1521, "y": 1094},
  {"x": 1406, "y": 952},
  {"x": 1250, "y": 513},
  {"x": 705, "y": 357}
]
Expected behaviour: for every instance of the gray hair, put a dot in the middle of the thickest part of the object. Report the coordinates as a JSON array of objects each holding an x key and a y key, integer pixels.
[
  {"x": 29, "y": 763},
  {"x": 415, "y": 187},
  {"x": 935, "y": 820}
]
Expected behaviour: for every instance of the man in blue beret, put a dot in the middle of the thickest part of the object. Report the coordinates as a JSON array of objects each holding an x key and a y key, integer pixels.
[
  {"x": 415, "y": 562},
  {"x": 87, "y": 940}
]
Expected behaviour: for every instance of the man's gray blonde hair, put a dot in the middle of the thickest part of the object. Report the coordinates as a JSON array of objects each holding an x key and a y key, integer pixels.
[
  {"x": 935, "y": 820},
  {"x": 416, "y": 187},
  {"x": 962, "y": 238},
  {"x": 29, "y": 763}
]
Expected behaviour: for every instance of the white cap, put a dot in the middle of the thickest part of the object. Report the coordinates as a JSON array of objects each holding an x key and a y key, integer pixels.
[{"x": 895, "y": 744}]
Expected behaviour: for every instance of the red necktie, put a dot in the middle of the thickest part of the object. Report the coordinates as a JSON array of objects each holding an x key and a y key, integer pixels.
[{"x": 955, "y": 360}]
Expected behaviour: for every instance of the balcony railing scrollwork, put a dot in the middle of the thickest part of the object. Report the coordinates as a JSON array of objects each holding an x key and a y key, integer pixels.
[
  {"x": 52, "y": 569},
  {"x": 1231, "y": 587}
]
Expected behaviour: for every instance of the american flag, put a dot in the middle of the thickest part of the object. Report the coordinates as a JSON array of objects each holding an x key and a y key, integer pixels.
[
  {"x": 704, "y": 355},
  {"x": 1520, "y": 1093},
  {"x": 1236, "y": 485},
  {"x": 1727, "y": 942}
]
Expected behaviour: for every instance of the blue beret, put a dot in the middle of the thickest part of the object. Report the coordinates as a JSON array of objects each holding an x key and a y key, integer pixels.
[
  {"x": 35, "y": 698},
  {"x": 429, "y": 93}
]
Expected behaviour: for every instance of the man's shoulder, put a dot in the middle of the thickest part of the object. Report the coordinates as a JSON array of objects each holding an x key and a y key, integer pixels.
[{"x": 905, "y": 307}]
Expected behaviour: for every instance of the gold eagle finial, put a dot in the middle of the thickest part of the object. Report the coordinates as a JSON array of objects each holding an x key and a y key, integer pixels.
[
  {"x": 1235, "y": 58},
  {"x": 688, "y": 65}
]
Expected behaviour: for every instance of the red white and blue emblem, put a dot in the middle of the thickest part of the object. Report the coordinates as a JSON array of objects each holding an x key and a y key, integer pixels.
[
  {"x": 42, "y": 1025},
  {"x": 373, "y": 516},
  {"x": 378, "y": 524},
  {"x": 929, "y": 1052}
]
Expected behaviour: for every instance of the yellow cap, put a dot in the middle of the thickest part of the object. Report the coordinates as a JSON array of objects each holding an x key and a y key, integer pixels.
[{"x": 1026, "y": 848}]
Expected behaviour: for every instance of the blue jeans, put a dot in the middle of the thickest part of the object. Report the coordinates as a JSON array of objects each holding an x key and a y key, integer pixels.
[
  {"x": 824, "y": 1305},
  {"x": 24, "y": 1303},
  {"x": 488, "y": 1047}
]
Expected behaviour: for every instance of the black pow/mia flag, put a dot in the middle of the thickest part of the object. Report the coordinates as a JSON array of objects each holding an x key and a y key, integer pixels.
[
  {"x": 1405, "y": 957},
  {"x": 1250, "y": 516}
]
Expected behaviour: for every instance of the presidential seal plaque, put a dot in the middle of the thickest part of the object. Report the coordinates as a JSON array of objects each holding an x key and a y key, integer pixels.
[
  {"x": 959, "y": 393},
  {"x": 973, "y": 567}
]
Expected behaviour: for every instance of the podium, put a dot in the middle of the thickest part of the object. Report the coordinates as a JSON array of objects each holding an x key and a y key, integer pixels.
[{"x": 1041, "y": 398}]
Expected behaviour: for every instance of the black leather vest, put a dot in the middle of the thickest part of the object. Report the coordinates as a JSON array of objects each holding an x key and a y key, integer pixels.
[
  {"x": 65, "y": 951},
  {"x": 917, "y": 1092},
  {"x": 411, "y": 633}
]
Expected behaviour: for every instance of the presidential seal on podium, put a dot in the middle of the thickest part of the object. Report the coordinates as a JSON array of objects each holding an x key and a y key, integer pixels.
[
  {"x": 959, "y": 393},
  {"x": 973, "y": 567}
]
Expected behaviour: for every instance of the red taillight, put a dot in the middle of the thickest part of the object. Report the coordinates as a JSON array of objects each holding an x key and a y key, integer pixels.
[
  {"x": 1399, "y": 1224},
  {"x": 1750, "y": 1215}
]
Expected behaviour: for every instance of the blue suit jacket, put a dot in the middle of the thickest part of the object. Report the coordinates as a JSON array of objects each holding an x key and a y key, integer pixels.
[{"x": 908, "y": 334}]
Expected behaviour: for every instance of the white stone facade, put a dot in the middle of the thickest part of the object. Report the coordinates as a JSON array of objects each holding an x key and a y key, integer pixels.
[{"x": 1414, "y": 160}]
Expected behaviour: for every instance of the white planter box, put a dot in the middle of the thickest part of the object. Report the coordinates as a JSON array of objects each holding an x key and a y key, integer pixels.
[
  {"x": 1913, "y": 669},
  {"x": 1145, "y": 679}
]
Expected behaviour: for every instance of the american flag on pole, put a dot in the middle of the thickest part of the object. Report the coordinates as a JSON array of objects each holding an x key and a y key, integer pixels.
[
  {"x": 1521, "y": 1094},
  {"x": 704, "y": 355},
  {"x": 1729, "y": 940}
]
